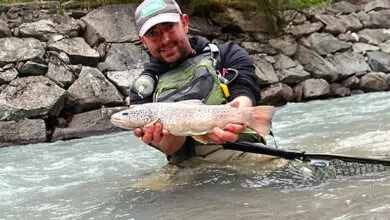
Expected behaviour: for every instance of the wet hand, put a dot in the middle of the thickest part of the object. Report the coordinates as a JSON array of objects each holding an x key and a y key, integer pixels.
[
  {"x": 161, "y": 138},
  {"x": 229, "y": 133}
]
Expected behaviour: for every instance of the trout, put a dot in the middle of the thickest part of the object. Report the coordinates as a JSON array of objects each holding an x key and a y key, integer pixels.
[{"x": 193, "y": 118}]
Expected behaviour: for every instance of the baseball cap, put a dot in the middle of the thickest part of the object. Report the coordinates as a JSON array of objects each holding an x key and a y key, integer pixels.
[{"x": 152, "y": 12}]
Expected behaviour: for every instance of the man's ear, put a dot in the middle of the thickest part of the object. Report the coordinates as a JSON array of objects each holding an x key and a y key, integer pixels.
[
  {"x": 184, "y": 20},
  {"x": 143, "y": 42}
]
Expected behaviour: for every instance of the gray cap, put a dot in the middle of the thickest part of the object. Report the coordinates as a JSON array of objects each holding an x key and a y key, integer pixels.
[{"x": 152, "y": 12}]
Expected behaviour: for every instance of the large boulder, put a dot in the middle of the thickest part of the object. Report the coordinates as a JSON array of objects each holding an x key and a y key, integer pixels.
[
  {"x": 78, "y": 51},
  {"x": 19, "y": 49},
  {"x": 350, "y": 63},
  {"x": 325, "y": 43},
  {"x": 26, "y": 131},
  {"x": 92, "y": 90},
  {"x": 88, "y": 123},
  {"x": 44, "y": 29},
  {"x": 31, "y": 97},
  {"x": 374, "y": 81},
  {"x": 111, "y": 23},
  {"x": 379, "y": 62}
]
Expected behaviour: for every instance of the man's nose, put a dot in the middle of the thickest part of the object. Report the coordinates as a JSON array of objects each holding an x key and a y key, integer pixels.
[{"x": 164, "y": 37}]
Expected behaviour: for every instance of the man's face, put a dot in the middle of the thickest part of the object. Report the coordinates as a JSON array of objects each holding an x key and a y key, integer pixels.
[{"x": 168, "y": 42}]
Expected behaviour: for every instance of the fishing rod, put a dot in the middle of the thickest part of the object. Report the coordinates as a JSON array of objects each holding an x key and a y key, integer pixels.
[{"x": 300, "y": 155}]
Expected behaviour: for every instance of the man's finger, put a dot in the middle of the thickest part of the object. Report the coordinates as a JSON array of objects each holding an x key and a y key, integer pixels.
[
  {"x": 148, "y": 136},
  {"x": 137, "y": 132},
  {"x": 157, "y": 133},
  {"x": 235, "y": 128}
]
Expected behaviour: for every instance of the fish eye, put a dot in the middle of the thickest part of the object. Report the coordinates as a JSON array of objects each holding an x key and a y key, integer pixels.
[{"x": 125, "y": 113}]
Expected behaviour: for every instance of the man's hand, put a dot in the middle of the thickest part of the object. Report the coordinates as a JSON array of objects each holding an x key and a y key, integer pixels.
[{"x": 160, "y": 138}]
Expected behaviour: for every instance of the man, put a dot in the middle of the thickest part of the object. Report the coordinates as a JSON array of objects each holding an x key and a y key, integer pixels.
[{"x": 163, "y": 30}]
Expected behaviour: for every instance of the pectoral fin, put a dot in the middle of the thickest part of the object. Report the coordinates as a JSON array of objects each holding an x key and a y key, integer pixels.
[{"x": 152, "y": 122}]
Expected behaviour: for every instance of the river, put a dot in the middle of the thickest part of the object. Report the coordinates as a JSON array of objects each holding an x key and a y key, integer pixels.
[{"x": 93, "y": 178}]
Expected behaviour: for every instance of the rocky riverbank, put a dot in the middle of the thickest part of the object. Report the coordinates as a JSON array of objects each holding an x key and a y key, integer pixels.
[{"x": 65, "y": 68}]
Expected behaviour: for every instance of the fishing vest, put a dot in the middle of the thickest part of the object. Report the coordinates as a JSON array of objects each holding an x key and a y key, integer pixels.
[
  {"x": 195, "y": 78},
  {"x": 198, "y": 78}
]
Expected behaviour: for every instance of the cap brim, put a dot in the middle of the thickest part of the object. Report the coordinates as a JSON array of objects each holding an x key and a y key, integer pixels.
[{"x": 158, "y": 19}]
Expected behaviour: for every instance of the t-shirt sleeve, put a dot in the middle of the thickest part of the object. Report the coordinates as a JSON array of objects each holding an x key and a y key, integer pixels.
[{"x": 246, "y": 83}]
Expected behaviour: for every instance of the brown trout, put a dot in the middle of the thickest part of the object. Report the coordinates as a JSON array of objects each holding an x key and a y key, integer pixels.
[{"x": 192, "y": 117}]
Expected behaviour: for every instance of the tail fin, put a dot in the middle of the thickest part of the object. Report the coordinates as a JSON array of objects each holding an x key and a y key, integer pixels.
[{"x": 261, "y": 119}]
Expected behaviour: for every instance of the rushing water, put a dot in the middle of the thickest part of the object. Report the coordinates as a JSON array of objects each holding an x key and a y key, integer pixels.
[{"x": 93, "y": 178}]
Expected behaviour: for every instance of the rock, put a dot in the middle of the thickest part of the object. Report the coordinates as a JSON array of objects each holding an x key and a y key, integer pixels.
[
  {"x": 380, "y": 19},
  {"x": 376, "y": 5},
  {"x": 374, "y": 81},
  {"x": 344, "y": 7},
  {"x": 315, "y": 88},
  {"x": 87, "y": 124},
  {"x": 385, "y": 47},
  {"x": 26, "y": 131},
  {"x": 246, "y": 21},
  {"x": 332, "y": 24},
  {"x": 19, "y": 49},
  {"x": 351, "y": 82},
  {"x": 44, "y": 29},
  {"x": 363, "y": 48},
  {"x": 122, "y": 57},
  {"x": 123, "y": 80},
  {"x": 8, "y": 75},
  {"x": 339, "y": 91},
  {"x": 4, "y": 29},
  {"x": 91, "y": 91},
  {"x": 256, "y": 48},
  {"x": 31, "y": 68},
  {"x": 77, "y": 49},
  {"x": 286, "y": 44},
  {"x": 316, "y": 65},
  {"x": 349, "y": 37},
  {"x": 62, "y": 75},
  {"x": 379, "y": 62},
  {"x": 277, "y": 94},
  {"x": 202, "y": 26},
  {"x": 325, "y": 43},
  {"x": 265, "y": 71},
  {"x": 351, "y": 64},
  {"x": 304, "y": 29},
  {"x": 288, "y": 71},
  {"x": 28, "y": 97},
  {"x": 111, "y": 23},
  {"x": 374, "y": 36}
]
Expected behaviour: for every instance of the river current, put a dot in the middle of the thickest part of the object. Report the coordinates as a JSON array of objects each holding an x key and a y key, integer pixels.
[{"x": 93, "y": 178}]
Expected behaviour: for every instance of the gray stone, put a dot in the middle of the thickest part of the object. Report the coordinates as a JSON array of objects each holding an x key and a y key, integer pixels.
[
  {"x": 265, "y": 71},
  {"x": 365, "y": 19},
  {"x": 284, "y": 62},
  {"x": 317, "y": 65},
  {"x": 4, "y": 29},
  {"x": 374, "y": 36},
  {"x": 332, "y": 24},
  {"x": 122, "y": 57},
  {"x": 351, "y": 82},
  {"x": 325, "y": 43},
  {"x": 315, "y": 88},
  {"x": 40, "y": 97},
  {"x": 351, "y": 63},
  {"x": 44, "y": 29},
  {"x": 349, "y": 37},
  {"x": 256, "y": 48},
  {"x": 19, "y": 49},
  {"x": 62, "y": 75},
  {"x": 7, "y": 75},
  {"x": 374, "y": 81},
  {"x": 379, "y": 62},
  {"x": 380, "y": 19},
  {"x": 31, "y": 68},
  {"x": 87, "y": 124},
  {"x": 111, "y": 23},
  {"x": 124, "y": 80},
  {"x": 376, "y": 5},
  {"x": 26, "y": 131},
  {"x": 385, "y": 47},
  {"x": 304, "y": 29},
  {"x": 293, "y": 75},
  {"x": 286, "y": 44},
  {"x": 91, "y": 91},
  {"x": 344, "y": 7},
  {"x": 202, "y": 26},
  {"x": 351, "y": 22},
  {"x": 338, "y": 90},
  {"x": 277, "y": 94},
  {"x": 363, "y": 48},
  {"x": 77, "y": 49}
]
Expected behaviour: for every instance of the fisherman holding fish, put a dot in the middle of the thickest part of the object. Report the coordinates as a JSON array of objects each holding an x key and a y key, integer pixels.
[{"x": 181, "y": 70}]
